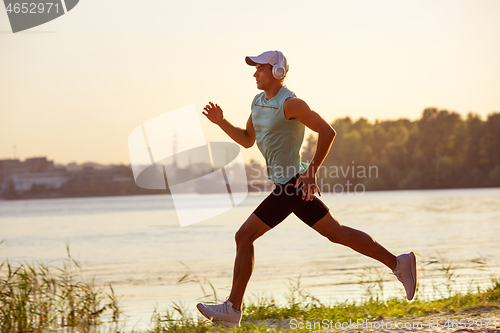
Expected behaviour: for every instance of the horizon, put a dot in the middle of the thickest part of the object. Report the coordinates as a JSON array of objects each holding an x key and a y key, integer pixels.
[{"x": 248, "y": 160}]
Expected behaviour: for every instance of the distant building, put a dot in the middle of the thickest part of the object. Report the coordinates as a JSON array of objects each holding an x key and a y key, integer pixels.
[
  {"x": 38, "y": 177},
  {"x": 48, "y": 180},
  {"x": 13, "y": 167}
]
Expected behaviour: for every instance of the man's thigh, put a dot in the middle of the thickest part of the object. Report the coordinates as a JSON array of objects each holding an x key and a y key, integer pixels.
[
  {"x": 286, "y": 199},
  {"x": 311, "y": 212},
  {"x": 252, "y": 228},
  {"x": 278, "y": 204}
]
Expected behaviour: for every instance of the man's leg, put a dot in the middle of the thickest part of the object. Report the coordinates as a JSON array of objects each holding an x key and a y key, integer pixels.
[
  {"x": 273, "y": 209},
  {"x": 357, "y": 240},
  {"x": 403, "y": 266},
  {"x": 252, "y": 229},
  {"x": 229, "y": 312}
]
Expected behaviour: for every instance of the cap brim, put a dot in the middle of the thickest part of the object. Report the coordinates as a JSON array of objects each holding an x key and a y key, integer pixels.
[{"x": 252, "y": 61}]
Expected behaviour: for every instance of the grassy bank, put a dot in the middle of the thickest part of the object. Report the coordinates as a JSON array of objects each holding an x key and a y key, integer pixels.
[
  {"x": 266, "y": 316},
  {"x": 38, "y": 298}
]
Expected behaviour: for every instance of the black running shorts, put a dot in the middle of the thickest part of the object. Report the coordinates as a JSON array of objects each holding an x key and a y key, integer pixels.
[{"x": 286, "y": 199}]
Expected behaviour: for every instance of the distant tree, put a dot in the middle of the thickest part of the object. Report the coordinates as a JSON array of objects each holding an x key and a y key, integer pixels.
[{"x": 440, "y": 150}]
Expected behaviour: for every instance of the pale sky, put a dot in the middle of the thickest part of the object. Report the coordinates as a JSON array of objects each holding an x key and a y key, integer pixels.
[{"x": 74, "y": 88}]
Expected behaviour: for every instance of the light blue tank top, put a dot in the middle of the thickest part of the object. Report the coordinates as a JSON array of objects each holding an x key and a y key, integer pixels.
[{"x": 278, "y": 139}]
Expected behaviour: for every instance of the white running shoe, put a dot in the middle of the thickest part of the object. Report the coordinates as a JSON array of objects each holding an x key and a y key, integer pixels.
[
  {"x": 221, "y": 313},
  {"x": 406, "y": 272}
]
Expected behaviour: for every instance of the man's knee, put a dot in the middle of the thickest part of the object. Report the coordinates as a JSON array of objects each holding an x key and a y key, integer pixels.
[
  {"x": 252, "y": 229},
  {"x": 242, "y": 237}
]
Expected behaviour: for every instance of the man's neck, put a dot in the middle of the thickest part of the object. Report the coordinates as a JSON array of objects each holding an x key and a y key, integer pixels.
[{"x": 272, "y": 91}]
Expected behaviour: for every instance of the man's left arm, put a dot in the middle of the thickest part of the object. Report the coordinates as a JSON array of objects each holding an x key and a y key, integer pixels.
[{"x": 295, "y": 108}]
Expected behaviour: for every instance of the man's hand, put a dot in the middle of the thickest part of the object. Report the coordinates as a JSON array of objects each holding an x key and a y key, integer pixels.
[
  {"x": 244, "y": 137},
  {"x": 309, "y": 186},
  {"x": 214, "y": 113}
]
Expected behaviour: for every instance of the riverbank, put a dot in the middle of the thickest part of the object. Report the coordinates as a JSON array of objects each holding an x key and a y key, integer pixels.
[
  {"x": 40, "y": 298},
  {"x": 471, "y": 312}
]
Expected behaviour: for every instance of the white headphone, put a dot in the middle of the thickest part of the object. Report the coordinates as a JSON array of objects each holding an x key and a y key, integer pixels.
[{"x": 280, "y": 69}]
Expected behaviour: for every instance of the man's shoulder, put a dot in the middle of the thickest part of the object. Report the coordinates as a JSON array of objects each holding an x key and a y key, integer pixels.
[
  {"x": 295, "y": 106},
  {"x": 294, "y": 101}
]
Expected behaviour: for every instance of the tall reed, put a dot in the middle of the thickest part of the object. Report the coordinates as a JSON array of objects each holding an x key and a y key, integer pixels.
[{"x": 36, "y": 298}]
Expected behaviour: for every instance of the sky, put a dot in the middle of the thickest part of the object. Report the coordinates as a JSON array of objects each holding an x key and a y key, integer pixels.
[{"x": 73, "y": 89}]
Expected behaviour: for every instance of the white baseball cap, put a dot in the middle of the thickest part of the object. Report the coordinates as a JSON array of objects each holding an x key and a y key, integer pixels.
[{"x": 268, "y": 57}]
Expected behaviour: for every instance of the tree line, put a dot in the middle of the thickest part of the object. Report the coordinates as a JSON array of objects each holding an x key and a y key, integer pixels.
[{"x": 440, "y": 150}]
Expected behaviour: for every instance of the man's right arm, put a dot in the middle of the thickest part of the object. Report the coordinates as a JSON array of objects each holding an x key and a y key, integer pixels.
[{"x": 244, "y": 137}]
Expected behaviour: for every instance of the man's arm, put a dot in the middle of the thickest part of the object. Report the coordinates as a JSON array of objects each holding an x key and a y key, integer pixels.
[
  {"x": 244, "y": 137},
  {"x": 295, "y": 108}
]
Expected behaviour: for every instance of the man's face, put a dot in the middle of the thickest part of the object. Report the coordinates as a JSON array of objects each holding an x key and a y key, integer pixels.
[{"x": 264, "y": 76}]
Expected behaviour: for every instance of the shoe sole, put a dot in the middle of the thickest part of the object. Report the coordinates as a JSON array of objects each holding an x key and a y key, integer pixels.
[
  {"x": 225, "y": 323},
  {"x": 413, "y": 267}
]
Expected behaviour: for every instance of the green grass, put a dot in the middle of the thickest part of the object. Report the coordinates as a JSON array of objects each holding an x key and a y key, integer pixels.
[
  {"x": 38, "y": 298},
  {"x": 305, "y": 308},
  {"x": 375, "y": 308}
]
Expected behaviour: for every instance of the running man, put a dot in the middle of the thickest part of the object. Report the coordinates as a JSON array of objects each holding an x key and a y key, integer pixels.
[{"x": 277, "y": 123}]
